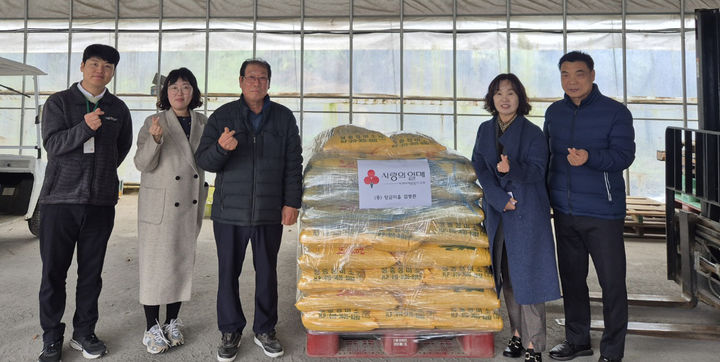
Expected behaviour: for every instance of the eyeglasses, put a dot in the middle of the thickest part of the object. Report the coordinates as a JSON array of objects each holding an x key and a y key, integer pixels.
[
  {"x": 175, "y": 89},
  {"x": 253, "y": 79}
]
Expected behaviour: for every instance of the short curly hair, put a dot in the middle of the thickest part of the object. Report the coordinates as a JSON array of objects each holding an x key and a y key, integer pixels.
[
  {"x": 175, "y": 74},
  {"x": 524, "y": 106}
]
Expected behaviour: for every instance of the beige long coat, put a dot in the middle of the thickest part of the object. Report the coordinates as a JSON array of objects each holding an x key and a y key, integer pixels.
[{"x": 171, "y": 205}]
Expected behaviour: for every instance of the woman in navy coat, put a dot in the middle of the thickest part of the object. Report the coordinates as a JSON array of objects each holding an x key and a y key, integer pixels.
[{"x": 510, "y": 157}]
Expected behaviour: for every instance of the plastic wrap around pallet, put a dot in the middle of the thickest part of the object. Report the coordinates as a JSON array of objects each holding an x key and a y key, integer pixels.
[
  {"x": 394, "y": 278},
  {"x": 396, "y": 238},
  {"x": 413, "y": 268}
]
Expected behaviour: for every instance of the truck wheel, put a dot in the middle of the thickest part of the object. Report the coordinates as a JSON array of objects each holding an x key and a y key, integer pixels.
[{"x": 34, "y": 222}]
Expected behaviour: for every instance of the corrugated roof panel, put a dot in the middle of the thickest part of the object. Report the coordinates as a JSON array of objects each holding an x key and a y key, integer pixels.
[
  {"x": 94, "y": 9},
  {"x": 231, "y": 8},
  {"x": 183, "y": 9},
  {"x": 594, "y": 7},
  {"x": 327, "y": 8},
  {"x": 425, "y": 7},
  {"x": 12, "y": 9},
  {"x": 652, "y": 6},
  {"x": 536, "y": 7},
  {"x": 691, "y": 5},
  {"x": 42, "y": 9},
  {"x": 376, "y": 7},
  {"x": 139, "y": 9},
  {"x": 474, "y": 7}
]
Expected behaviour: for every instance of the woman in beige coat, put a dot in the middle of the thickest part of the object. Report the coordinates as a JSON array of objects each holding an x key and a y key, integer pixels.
[{"x": 171, "y": 205}]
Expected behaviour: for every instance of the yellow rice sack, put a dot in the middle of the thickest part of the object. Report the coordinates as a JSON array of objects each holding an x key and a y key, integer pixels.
[
  {"x": 448, "y": 298},
  {"x": 339, "y": 320},
  {"x": 394, "y": 277},
  {"x": 433, "y": 256},
  {"x": 332, "y": 162},
  {"x": 412, "y": 144},
  {"x": 349, "y": 139},
  {"x": 341, "y": 257},
  {"x": 346, "y": 300},
  {"x": 453, "y": 233},
  {"x": 314, "y": 280},
  {"x": 453, "y": 167},
  {"x": 459, "y": 276},
  {"x": 463, "y": 191},
  {"x": 350, "y": 216},
  {"x": 404, "y": 318},
  {"x": 462, "y": 213},
  {"x": 385, "y": 240},
  {"x": 395, "y": 238},
  {"x": 476, "y": 319}
]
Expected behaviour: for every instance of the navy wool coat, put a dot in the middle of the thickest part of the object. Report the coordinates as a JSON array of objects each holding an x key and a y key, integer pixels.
[{"x": 528, "y": 235}]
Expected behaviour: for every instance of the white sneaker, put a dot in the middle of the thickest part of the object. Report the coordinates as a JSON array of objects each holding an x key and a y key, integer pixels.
[
  {"x": 155, "y": 341},
  {"x": 173, "y": 332}
]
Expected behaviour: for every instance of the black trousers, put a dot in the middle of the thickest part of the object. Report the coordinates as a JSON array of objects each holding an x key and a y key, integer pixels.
[
  {"x": 61, "y": 228},
  {"x": 602, "y": 239},
  {"x": 232, "y": 241}
]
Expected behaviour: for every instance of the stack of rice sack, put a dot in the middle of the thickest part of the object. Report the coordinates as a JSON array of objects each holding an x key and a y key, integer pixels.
[{"x": 413, "y": 268}]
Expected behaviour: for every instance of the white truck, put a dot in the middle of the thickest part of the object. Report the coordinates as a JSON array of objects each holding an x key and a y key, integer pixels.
[{"x": 21, "y": 174}]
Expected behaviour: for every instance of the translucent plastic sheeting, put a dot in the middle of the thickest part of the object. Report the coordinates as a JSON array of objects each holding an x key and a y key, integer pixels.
[
  {"x": 134, "y": 74},
  {"x": 48, "y": 52},
  {"x": 227, "y": 50},
  {"x": 292, "y": 8}
]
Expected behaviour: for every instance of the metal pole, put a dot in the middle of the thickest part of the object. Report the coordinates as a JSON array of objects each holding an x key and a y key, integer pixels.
[
  {"x": 38, "y": 135},
  {"x": 350, "y": 105},
  {"x": 682, "y": 58},
  {"x": 158, "y": 81},
  {"x": 402, "y": 64},
  {"x": 69, "y": 51},
  {"x": 302, "y": 66},
  {"x": 117, "y": 21},
  {"x": 207, "y": 54},
  {"x": 22, "y": 99},
  {"x": 564, "y": 26},
  {"x": 624, "y": 60},
  {"x": 507, "y": 33},
  {"x": 455, "y": 111},
  {"x": 255, "y": 19}
]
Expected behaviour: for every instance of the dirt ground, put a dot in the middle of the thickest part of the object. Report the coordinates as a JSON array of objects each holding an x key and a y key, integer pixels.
[{"x": 122, "y": 322}]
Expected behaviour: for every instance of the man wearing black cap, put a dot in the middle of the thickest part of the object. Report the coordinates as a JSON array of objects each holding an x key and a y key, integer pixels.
[{"x": 87, "y": 132}]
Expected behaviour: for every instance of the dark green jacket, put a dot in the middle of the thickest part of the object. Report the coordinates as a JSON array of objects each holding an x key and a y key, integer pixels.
[{"x": 264, "y": 172}]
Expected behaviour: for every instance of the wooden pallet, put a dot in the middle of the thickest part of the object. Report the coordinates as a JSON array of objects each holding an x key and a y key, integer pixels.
[{"x": 645, "y": 218}]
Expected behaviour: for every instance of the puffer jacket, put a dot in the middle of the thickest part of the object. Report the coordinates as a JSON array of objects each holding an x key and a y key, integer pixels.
[
  {"x": 264, "y": 172},
  {"x": 603, "y": 127}
]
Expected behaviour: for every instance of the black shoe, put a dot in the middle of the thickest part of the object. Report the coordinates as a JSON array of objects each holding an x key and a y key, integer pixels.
[
  {"x": 228, "y": 348},
  {"x": 566, "y": 351},
  {"x": 269, "y": 343},
  {"x": 532, "y": 356},
  {"x": 514, "y": 348},
  {"x": 90, "y": 346},
  {"x": 606, "y": 359},
  {"x": 52, "y": 352}
]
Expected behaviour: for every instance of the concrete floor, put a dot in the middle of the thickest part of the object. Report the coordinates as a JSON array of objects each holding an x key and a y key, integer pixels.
[{"x": 122, "y": 321}]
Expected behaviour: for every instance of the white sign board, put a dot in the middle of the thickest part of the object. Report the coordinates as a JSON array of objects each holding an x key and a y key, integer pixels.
[{"x": 394, "y": 183}]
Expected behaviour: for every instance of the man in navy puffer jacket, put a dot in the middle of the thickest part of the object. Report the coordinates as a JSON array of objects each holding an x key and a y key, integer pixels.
[{"x": 591, "y": 141}]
